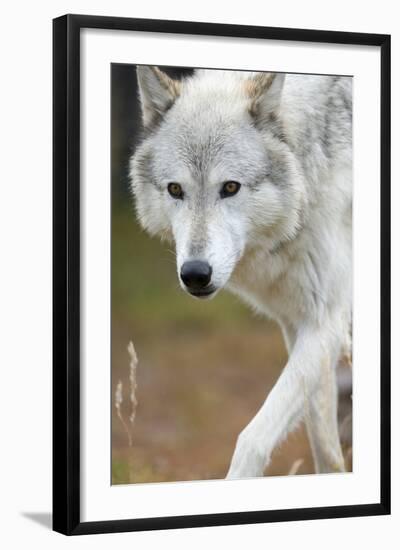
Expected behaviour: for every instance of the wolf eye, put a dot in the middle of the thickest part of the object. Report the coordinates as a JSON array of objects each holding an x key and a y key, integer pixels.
[
  {"x": 175, "y": 190},
  {"x": 229, "y": 189}
]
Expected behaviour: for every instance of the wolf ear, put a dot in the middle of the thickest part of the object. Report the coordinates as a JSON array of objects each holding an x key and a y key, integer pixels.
[
  {"x": 264, "y": 91},
  {"x": 157, "y": 93}
]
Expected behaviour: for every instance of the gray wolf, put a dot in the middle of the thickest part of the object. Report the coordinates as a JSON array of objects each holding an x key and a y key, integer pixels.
[{"x": 250, "y": 175}]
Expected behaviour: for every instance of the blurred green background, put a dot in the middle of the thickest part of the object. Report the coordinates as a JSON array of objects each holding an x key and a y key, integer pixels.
[{"x": 204, "y": 368}]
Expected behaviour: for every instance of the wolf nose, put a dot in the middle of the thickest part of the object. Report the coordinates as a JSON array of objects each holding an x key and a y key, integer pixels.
[{"x": 196, "y": 274}]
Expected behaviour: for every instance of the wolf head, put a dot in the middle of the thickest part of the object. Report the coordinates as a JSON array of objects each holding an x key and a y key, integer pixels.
[{"x": 215, "y": 173}]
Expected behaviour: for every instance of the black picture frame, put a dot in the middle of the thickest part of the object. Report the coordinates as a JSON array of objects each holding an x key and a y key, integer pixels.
[{"x": 66, "y": 273}]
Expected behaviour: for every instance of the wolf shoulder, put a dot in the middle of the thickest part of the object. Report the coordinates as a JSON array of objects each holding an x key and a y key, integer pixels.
[
  {"x": 321, "y": 100},
  {"x": 318, "y": 91},
  {"x": 317, "y": 114}
]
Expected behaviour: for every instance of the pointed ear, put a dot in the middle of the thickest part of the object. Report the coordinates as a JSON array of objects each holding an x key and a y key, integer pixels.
[
  {"x": 157, "y": 93},
  {"x": 264, "y": 91}
]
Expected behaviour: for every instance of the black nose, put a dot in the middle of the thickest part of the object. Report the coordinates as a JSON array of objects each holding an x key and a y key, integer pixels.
[{"x": 196, "y": 274}]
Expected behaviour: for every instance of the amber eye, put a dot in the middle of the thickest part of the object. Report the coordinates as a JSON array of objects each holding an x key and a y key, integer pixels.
[
  {"x": 175, "y": 190},
  {"x": 229, "y": 189}
]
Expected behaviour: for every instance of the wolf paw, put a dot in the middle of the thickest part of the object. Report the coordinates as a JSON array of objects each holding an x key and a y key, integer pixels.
[{"x": 249, "y": 458}]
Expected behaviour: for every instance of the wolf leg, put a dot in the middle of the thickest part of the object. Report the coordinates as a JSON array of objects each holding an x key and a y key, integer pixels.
[
  {"x": 322, "y": 423},
  {"x": 285, "y": 405}
]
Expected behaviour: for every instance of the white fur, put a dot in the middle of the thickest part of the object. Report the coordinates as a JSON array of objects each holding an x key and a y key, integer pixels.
[{"x": 282, "y": 243}]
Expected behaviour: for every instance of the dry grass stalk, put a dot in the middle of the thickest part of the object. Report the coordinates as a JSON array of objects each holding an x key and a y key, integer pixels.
[
  {"x": 128, "y": 426},
  {"x": 348, "y": 459},
  {"x": 119, "y": 399},
  {"x": 132, "y": 382},
  {"x": 295, "y": 467}
]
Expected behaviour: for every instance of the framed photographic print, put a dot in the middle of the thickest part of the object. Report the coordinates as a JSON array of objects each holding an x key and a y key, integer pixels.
[{"x": 221, "y": 274}]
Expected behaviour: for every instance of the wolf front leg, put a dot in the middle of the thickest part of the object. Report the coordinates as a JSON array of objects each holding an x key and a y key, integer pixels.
[{"x": 285, "y": 405}]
